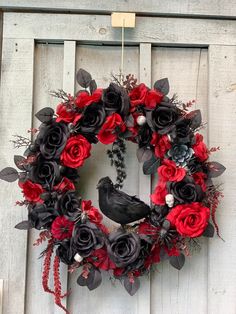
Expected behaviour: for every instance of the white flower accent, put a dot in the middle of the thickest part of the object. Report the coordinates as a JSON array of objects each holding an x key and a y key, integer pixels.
[
  {"x": 78, "y": 258},
  {"x": 141, "y": 120},
  {"x": 169, "y": 200}
]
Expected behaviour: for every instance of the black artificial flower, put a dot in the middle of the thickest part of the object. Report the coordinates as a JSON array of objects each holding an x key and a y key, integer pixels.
[
  {"x": 86, "y": 238},
  {"x": 144, "y": 135},
  {"x": 69, "y": 173},
  {"x": 93, "y": 117},
  {"x": 41, "y": 216},
  {"x": 164, "y": 117},
  {"x": 158, "y": 215},
  {"x": 180, "y": 154},
  {"x": 123, "y": 247},
  {"x": 44, "y": 172},
  {"x": 194, "y": 165},
  {"x": 116, "y": 100},
  {"x": 185, "y": 191},
  {"x": 52, "y": 139},
  {"x": 69, "y": 204},
  {"x": 182, "y": 132},
  {"x": 64, "y": 252}
]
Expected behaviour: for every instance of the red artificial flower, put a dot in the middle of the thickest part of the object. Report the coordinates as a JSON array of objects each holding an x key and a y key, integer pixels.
[
  {"x": 137, "y": 95},
  {"x": 158, "y": 197},
  {"x": 64, "y": 114},
  {"x": 200, "y": 178},
  {"x": 147, "y": 229},
  {"x": 118, "y": 272},
  {"x": 200, "y": 148},
  {"x": 100, "y": 259},
  {"x": 190, "y": 220},
  {"x": 91, "y": 212},
  {"x": 62, "y": 228},
  {"x": 110, "y": 128},
  {"x": 172, "y": 251},
  {"x": 84, "y": 99},
  {"x": 154, "y": 256},
  {"x": 153, "y": 97},
  {"x": 168, "y": 171},
  {"x": 31, "y": 191},
  {"x": 77, "y": 149},
  {"x": 64, "y": 185},
  {"x": 161, "y": 144}
]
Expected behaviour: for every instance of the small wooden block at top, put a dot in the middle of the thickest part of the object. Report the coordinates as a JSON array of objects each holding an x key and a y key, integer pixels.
[{"x": 122, "y": 19}]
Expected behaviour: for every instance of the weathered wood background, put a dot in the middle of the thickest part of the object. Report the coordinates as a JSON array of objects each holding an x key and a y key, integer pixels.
[{"x": 193, "y": 43}]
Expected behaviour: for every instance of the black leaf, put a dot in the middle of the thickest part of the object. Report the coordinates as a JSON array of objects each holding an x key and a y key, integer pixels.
[
  {"x": 24, "y": 225},
  {"x": 92, "y": 86},
  {"x": 82, "y": 281},
  {"x": 129, "y": 121},
  {"x": 196, "y": 119},
  {"x": 45, "y": 114},
  {"x": 177, "y": 261},
  {"x": 19, "y": 162},
  {"x": 210, "y": 230},
  {"x": 9, "y": 174},
  {"x": 131, "y": 286},
  {"x": 83, "y": 78},
  {"x": 150, "y": 166},
  {"x": 215, "y": 169},
  {"x": 94, "y": 279},
  {"x": 162, "y": 86},
  {"x": 144, "y": 154},
  {"x": 126, "y": 134}
]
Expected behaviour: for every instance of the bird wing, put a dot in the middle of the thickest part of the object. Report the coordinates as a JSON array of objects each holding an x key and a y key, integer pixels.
[{"x": 123, "y": 198}]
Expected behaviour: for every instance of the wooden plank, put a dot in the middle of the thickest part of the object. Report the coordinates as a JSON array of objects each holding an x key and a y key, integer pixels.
[
  {"x": 222, "y": 132},
  {"x": 182, "y": 291},
  {"x": 159, "y": 31},
  {"x": 48, "y": 76},
  {"x": 145, "y": 58},
  {"x": 16, "y": 118},
  {"x": 108, "y": 298},
  {"x": 213, "y": 8}
]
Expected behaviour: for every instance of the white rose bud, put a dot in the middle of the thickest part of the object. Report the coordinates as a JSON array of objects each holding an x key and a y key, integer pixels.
[
  {"x": 78, "y": 258},
  {"x": 169, "y": 200},
  {"x": 141, "y": 120}
]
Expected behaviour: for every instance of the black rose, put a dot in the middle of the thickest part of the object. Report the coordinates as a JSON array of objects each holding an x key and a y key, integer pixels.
[
  {"x": 41, "y": 216},
  {"x": 52, "y": 139},
  {"x": 86, "y": 238},
  {"x": 64, "y": 253},
  {"x": 92, "y": 119},
  {"x": 186, "y": 191},
  {"x": 144, "y": 135},
  {"x": 158, "y": 215},
  {"x": 123, "y": 248},
  {"x": 70, "y": 173},
  {"x": 45, "y": 172},
  {"x": 115, "y": 99},
  {"x": 163, "y": 117},
  {"x": 68, "y": 204},
  {"x": 182, "y": 132}
]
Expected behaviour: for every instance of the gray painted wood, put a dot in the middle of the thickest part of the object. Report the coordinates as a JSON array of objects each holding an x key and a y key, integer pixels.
[
  {"x": 222, "y": 132},
  {"x": 214, "y": 8},
  {"x": 16, "y": 92},
  {"x": 161, "y": 30}
]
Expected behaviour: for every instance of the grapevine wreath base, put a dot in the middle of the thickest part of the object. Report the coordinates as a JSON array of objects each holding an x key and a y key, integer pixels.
[{"x": 184, "y": 201}]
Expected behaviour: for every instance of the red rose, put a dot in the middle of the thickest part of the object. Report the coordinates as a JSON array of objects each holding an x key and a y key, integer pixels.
[
  {"x": 84, "y": 99},
  {"x": 101, "y": 260},
  {"x": 91, "y": 212},
  {"x": 62, "y": 228},
  {"x": 77, "y": 149},
  {"x": 158, "y": 197},
  {"x": 153, "y": 97},
  {"x": 108, "y": 132},
  {"x": 200, "y": 148},
  {"x": 31, "y": 191},
  {"x": 64, "y": 114},
  {"x": 64, "y": 185},
  {"x": 169, "y": 171},
  {"x": 200, "y": 178},
  {"x": 137, "y": 95},
  {"x": 190, "y": 220},
  {"x": 161, "y": 144}
]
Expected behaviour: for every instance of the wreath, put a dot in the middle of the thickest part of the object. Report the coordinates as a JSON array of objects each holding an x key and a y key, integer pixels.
[{"x": 167, "y": 134}]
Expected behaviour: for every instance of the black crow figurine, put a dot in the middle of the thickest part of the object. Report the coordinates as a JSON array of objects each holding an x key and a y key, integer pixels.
[{"x": 119, "y": 206}]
